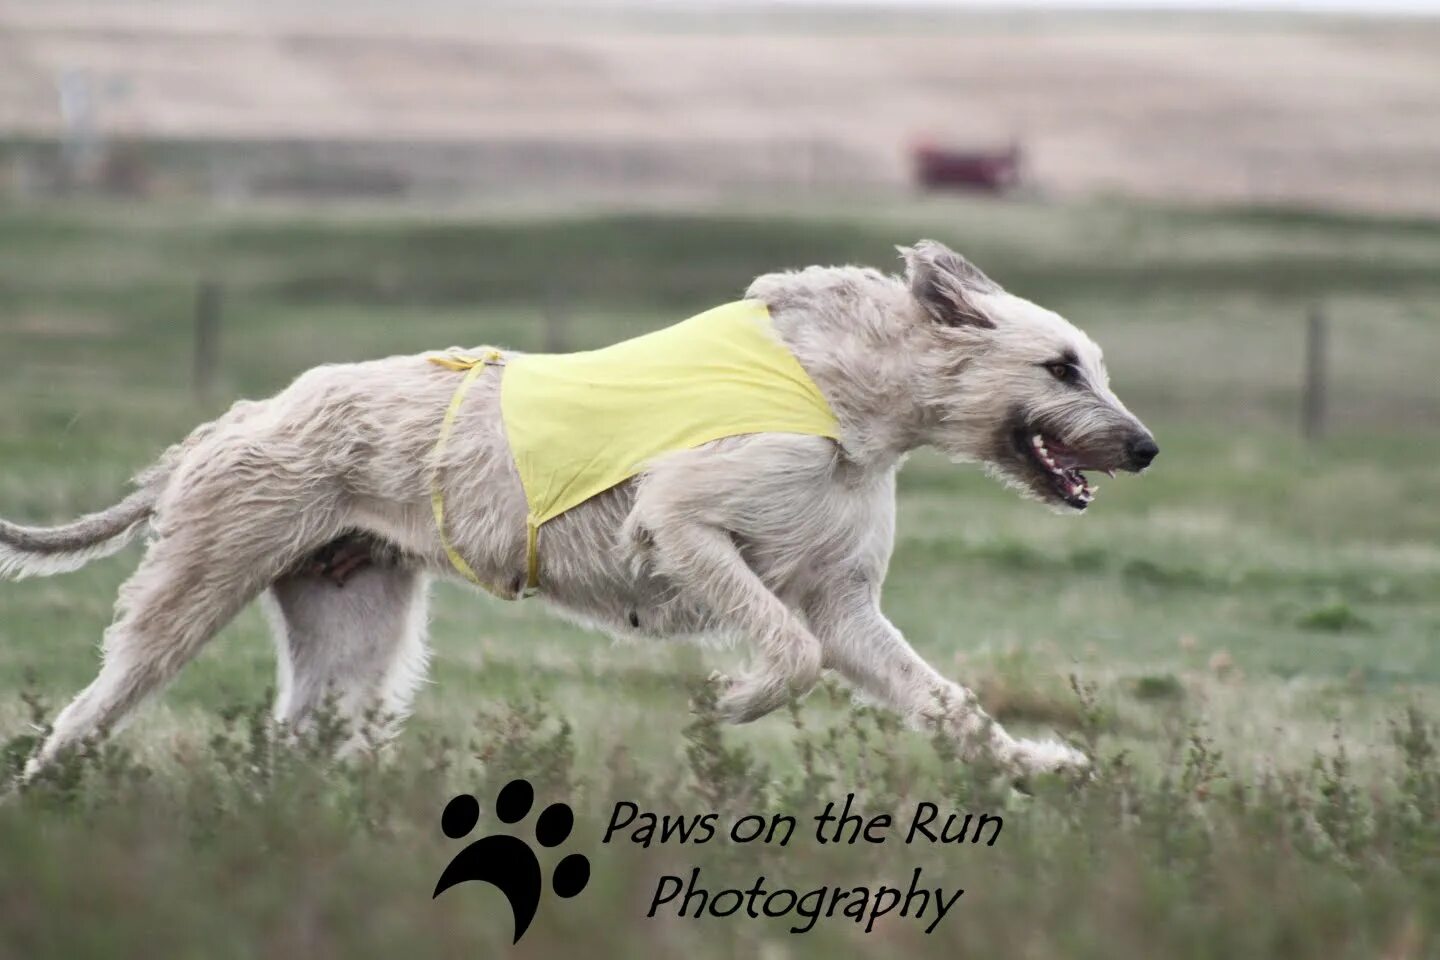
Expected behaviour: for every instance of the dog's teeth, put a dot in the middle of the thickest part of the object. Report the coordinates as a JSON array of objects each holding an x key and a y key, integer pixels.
[{"x": 1037, "y": 441}]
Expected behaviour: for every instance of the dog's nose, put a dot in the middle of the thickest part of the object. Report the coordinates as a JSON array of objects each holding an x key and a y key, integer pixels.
[{"x": 1141, "y": 451}]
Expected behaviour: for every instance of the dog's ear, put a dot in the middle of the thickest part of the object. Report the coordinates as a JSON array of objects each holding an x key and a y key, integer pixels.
[{"x": 945, "y": 284}]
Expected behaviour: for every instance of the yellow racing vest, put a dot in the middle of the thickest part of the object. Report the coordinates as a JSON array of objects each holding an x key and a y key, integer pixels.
[{"x": 581, "y": 423}]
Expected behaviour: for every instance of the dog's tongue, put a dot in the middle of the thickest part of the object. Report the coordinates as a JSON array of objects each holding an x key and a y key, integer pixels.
[{"x": 1063, "y": 456}]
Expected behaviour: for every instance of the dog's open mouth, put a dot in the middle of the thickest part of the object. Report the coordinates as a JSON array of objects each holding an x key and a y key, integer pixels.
[{"x": 1061, "y": 466}]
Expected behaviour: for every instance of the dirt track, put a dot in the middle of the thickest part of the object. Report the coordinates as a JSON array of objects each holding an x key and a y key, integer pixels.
[{"x": 1334, "y": 112}]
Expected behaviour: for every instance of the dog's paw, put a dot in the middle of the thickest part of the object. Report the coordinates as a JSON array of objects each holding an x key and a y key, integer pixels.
[
  {"x": 1032, "y": 758},
  {"x": 745, "y": 699},
  {"x": 706, "y": 697}
]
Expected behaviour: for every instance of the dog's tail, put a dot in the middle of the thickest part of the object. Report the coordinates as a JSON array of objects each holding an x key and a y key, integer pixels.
[{"x": 43, "y": 551}]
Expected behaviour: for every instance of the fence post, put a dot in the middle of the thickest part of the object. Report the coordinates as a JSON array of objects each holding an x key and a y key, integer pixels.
[
  {"x": 556, "y": 321},
  {"x": 207, "y": 338},
  {"x": 1313, "y": 406}
]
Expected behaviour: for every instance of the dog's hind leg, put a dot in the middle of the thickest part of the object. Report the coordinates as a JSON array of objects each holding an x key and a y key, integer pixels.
[
  {"x": 230, "y": 528},
  {"x": 190, "y": 584},
  {"x": 358, "y": 648}
]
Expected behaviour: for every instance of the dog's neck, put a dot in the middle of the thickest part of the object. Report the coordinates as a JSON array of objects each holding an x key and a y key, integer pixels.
[{"x": 855, "y": 333}]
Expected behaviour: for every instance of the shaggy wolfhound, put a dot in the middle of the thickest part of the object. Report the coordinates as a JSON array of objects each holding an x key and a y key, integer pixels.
[{"x": 320, "y": 500}]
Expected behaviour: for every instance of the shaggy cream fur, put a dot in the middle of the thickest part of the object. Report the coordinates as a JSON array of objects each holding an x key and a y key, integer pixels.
[{"x": 781, "y": 540}]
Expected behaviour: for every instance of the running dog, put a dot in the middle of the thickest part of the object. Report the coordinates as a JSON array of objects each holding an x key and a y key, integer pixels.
[{"x": 334, "y": 502}]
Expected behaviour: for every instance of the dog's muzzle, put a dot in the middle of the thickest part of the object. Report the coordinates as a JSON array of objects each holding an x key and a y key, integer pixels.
[{"x": 1140, "y": 451}]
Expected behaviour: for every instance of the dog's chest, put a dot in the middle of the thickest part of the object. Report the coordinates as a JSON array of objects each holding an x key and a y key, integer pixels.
[{"x": 807, "y": 544}]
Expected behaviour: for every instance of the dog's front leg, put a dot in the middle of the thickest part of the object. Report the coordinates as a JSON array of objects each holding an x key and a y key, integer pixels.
[
  {"x": 704, "y": 562},
  {"x": 863, "y": 645}
]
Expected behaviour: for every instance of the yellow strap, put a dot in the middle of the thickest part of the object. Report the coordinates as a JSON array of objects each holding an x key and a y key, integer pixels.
[
  {"x": 473, "y": 366},
  {"x": 532, "y": 555},
  {"x": 458, "y": 361}
]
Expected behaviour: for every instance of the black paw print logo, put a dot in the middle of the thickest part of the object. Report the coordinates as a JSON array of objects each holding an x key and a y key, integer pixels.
[{"x": 507, "y": 863}]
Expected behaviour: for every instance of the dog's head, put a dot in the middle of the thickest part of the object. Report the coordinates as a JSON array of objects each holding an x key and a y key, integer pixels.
[{"x": 1015, "y": 386}]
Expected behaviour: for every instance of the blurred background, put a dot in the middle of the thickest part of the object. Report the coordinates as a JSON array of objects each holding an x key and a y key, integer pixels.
[
  {"x": 451, "y": 102},
  {"x": 1256, "y": 171},
  {"x": 1240, "y": 202}
]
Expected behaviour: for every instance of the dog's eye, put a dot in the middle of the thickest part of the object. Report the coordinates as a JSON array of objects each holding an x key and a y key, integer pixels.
[{"x": 1060, "y": 371}]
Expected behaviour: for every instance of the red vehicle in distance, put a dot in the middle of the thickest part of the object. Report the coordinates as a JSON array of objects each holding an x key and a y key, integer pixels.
[{"x": 953, "y": 168}]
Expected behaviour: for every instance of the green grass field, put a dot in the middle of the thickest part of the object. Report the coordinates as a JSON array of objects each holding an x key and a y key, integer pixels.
[{"x": 1255, "y": 623}]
